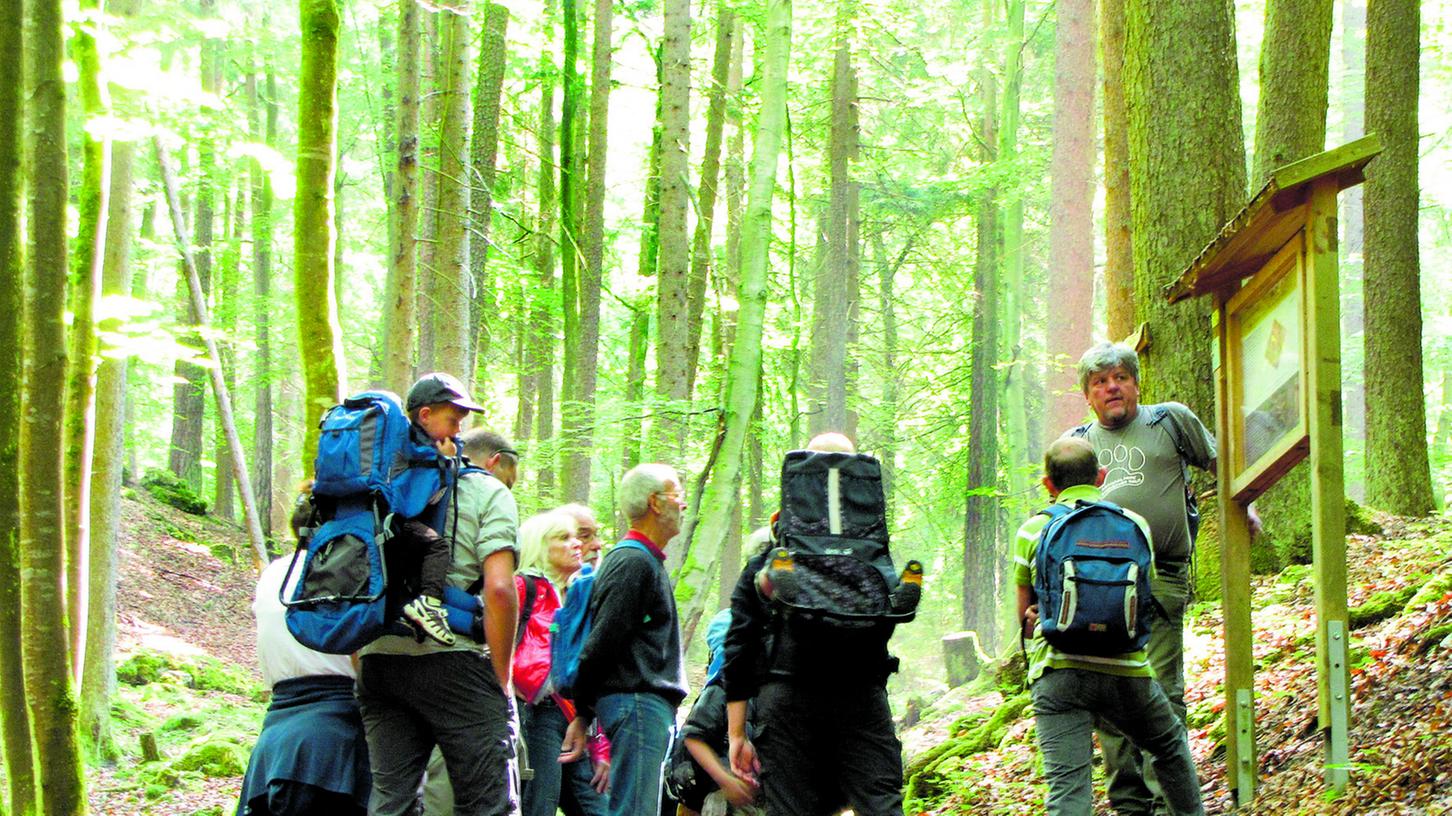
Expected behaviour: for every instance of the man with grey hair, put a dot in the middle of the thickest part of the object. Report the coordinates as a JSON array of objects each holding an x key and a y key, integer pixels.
[
  {"x": 631, "y": 674},
  {"x": 1146, "y": 452}
]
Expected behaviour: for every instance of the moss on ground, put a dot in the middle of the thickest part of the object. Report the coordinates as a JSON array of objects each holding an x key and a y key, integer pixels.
[
  {"x": 1380, "y": 606},
  {"x": 203, "y": 673},
  {"x": 167, "y": 488}
]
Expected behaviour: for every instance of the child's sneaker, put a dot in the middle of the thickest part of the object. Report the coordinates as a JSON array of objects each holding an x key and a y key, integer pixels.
[{"x": 427, "y": 616}]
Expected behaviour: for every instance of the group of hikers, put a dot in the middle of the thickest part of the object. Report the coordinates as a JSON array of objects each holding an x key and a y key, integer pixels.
[{"x": 429, "y": 653}]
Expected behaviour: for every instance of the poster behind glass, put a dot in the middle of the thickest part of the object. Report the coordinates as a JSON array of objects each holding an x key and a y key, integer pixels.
[{"x": 1270, "y": 357}]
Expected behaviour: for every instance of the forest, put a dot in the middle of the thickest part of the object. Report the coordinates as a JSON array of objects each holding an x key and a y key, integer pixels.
[{"x": 653, "y": 230}]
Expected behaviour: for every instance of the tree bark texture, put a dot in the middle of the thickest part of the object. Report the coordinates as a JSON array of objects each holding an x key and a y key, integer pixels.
[
  {"x": 320, "y": 338},
  {"x": 647, "y": 263},
  {"x": 45, "y": 652},
  {"x": 693, "y": 583},
  {"x": 1014, "y": 457},
  {"x": 1397, "y": 476},
  {"x": 578, "y": 413},
  {"x": 1118, "y": 252},
  {"x": 262, "y": 200},
  {"x": 483, "y": 152},
  {"x": 542, "y": 325},
  {"x": 980, "y": 519},
  {"x": 450, "y": 312},
  {"x": 1187, "y": 177},
  {"x": 425, "y": 247},
  {"x": 706, "y": 197},
  {"x": 98, "y": 677},
  {"x": 672, "y": 312},
  {"x": 15, "y": 738},
  {"x": 833, "y": 295},
  {"x": 400, "y": 300},
  {"x": 1071, "y": 209}
]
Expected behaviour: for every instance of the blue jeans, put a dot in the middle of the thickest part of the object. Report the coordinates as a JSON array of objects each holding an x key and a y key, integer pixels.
[
  {"x": 639, "y": 727},
  {"x": 1066, "y": 702},
  {"x": 544, "y": 731}
]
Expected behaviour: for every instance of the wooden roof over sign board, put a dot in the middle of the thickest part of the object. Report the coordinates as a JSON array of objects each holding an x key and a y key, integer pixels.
[{"x": 1271, "y": 219}]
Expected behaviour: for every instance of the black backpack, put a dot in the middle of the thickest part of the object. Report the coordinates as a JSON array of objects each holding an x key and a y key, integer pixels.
[{"x": 831, "y": 564}]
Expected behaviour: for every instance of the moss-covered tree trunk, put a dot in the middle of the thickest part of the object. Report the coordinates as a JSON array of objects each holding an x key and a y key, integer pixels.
[
  {"x": 320, "y": 338},
  {"x": 578, "y": 410},
  {"x": 1118, "y": 253},
  {"x": 1291, "y": 124},
  {"x": 98, "y": 677},
  {"x": 1397, "y": 476},
  {"x": 1187, "y": 177},
  {"x": 14, "y": 717},
  {"x": 668, "y": 432},
  {"x": 262, "y": 114},
  {"x": 723, "y": 490},
  {"x": 1071, "y": 210},
  {"x": 400, "y": 302},
  {"x": 45, "y": 650}
]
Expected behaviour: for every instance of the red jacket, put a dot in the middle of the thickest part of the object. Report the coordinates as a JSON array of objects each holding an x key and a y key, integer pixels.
[{"x": 531, "y": 666}]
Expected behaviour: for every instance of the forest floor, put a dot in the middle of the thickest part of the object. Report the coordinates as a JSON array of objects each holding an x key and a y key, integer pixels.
[
  {"x": 189, "y": 682},
  {"x": 1401, "y": 722}
]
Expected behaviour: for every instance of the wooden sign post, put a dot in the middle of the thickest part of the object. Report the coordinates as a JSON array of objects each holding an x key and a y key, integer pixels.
[{"x": 1272, "y": 272}]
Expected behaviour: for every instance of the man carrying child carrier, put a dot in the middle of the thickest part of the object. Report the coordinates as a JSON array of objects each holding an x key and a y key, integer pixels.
[{"x": 415, "y": 695}]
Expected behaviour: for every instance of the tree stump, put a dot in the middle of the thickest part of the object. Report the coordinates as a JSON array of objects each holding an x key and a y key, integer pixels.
[
  {"x": 960, "y": 657},
  {"x": 149, "y": 751}
]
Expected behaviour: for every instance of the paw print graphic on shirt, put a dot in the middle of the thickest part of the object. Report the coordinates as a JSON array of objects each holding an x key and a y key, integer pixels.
[{"x": 1125, "y": 466}]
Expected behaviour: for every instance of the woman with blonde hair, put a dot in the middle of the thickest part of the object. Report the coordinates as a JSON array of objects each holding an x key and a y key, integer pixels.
[{"x": 549, "y": 556}]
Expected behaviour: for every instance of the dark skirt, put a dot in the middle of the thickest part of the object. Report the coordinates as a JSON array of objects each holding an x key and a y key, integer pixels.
[{"x": 311, "y": 756}]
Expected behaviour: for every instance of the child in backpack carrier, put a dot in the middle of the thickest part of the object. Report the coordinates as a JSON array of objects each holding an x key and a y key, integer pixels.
[{"x": 437, "y": 405}]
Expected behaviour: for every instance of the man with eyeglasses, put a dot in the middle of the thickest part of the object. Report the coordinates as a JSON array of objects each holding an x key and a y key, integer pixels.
[
  {"x": 631, "y": 673},
  {"x": 588, "y": 532}
]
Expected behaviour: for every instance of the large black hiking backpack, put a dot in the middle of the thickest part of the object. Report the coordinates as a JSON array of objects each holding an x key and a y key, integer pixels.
[{"x": 832, "y": 564}]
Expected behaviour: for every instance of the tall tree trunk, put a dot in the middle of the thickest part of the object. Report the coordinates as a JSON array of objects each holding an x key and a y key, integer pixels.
[
  {"x": 15, "y": 739},
  {"x": 80, "y": 399},
  {"x": 833, "y": 294},
  {"x": 542, "y": 331},
  {"x": 225, "y": 305},
  {"x": 1187, "y": 177},
  {"x": 706, "y": 198},
  {"x": 572, "y": 179},
  {"x": 98, "y": 678},
  {"x": 400, "y": 300},
  {"x": 646, "y": 267},
  {"x": 1014, "y": 455},
  {"x": 320, "y": 338},
  {"x": 980, "y": 518},
  {"x": 1118, "y": 249},
  {"x": 579, "y": 412},
  {"x": 1397, "y": 477},
  {"x": 483, "y": 151},
  {"x": 262, "y": 199},
  {"x": 1294, "y": 66},
  {"x": 1071, "y": 208},
  {"x": 450, "y": 312},
  {"x": 887, "y": 311},
  {"x": 745, "y": 368},
  {"x": 668, "y": 433},
  {"x": 45, "y": 652},
  {"x": 1353, "y": 109},
  {"x": 189, "y": 394},
  {"x": 427, "y": 243}
]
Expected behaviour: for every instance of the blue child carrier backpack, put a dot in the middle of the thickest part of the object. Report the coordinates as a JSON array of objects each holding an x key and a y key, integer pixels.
[
  {"x": 1092, "y": 580},
  {"x": 370, "y": 469},
  {"x": 572, "y": 626}
]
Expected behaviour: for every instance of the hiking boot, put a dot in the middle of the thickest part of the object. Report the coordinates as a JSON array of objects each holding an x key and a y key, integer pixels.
[{"x": 427, "y": 616}]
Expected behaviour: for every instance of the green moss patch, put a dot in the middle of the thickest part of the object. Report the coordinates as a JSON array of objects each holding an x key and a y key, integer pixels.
[{"x": 167, "y": 488}]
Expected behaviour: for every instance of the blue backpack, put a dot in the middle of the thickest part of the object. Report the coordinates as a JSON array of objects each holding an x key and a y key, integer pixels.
[
  {"x": 572, "y": 626},
  {"x": 371, "y": 468},
  {"x": 1092, "y": 580}
]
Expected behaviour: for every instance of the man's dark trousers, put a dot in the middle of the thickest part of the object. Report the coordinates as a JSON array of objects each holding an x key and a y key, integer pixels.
[{"x": 823, "y": 748}]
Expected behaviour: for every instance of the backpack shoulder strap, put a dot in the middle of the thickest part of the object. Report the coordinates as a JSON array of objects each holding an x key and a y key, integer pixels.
[
  {"x": 1080, "y": 431},
  {"x": 527, "y": 608},
  {"x": 1158, "y": 413}
]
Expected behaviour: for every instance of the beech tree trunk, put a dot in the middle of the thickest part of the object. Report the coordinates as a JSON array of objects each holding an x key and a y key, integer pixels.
[
  {"x": 320, "y": 338},
  {"x": 694, "y": 579},
  {"x": 15, "y": 737},
  {"x": 1397, "y": 476},
  {"x": 45, "y": 652},
  {"x": 542, "y": 332},
  {"x": 262, "y": 200},
  {"x": 450, "y": 312}
]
